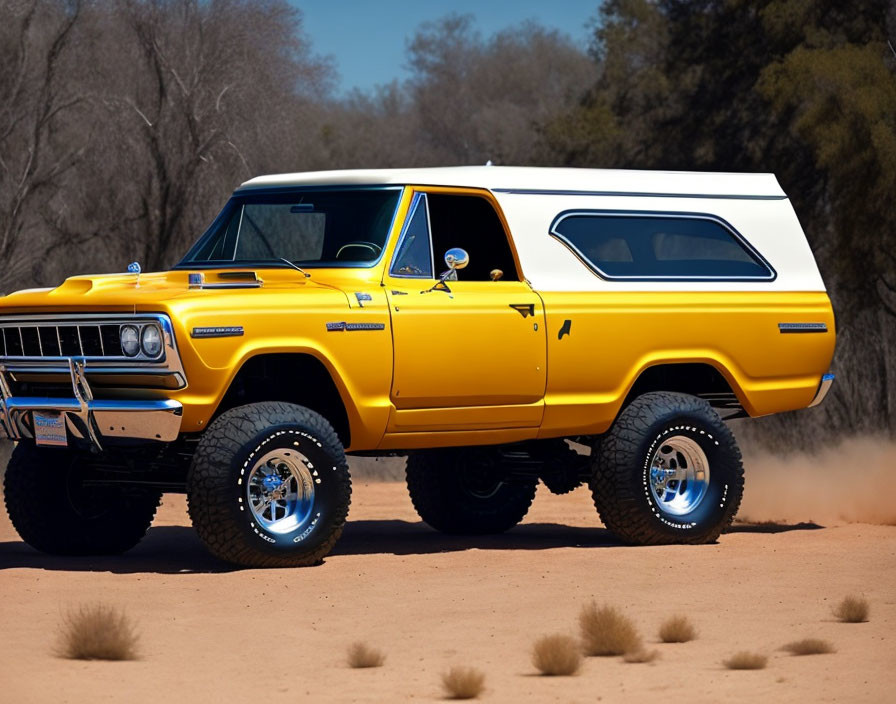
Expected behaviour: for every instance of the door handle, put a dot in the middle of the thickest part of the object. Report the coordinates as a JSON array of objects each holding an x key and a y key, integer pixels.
[{"x": 524, "y": 309}]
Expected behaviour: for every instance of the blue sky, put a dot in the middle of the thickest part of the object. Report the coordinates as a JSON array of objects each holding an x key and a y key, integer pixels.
[{"x": 367, "y": 39}]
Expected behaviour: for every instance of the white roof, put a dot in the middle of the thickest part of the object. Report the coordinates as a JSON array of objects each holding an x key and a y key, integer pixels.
[
  {"x": 530, "y": 178},
  {"x": 531, "y": 198}
]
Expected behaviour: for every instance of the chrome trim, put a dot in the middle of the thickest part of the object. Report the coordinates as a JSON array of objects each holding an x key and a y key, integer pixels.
[
  {"x": 217, "y": 331},
  {"x": 196, "y": 281},
  {"x": 412, "y": 212},
  {"x": 5, "y": 395},
  {"x": 83, "y": 395},
  {"x": 152, "y": 420},
  {"x": 245, "y": 284},
  {"x": 785, "y": 328},
  {"x": 168, "y": 362},
  {"x": 632, "y": 194},
  {"x": 104, "y": 371},
  {"x": 349, "y": 327},
  {"x": 827, "y": 380}
]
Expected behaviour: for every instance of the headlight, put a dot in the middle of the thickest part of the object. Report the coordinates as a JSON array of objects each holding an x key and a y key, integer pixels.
[
  {"x": 151, "y": 341},
  {"x": 130, "y": 340}
]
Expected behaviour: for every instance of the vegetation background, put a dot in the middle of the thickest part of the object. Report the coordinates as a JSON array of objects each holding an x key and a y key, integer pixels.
[{"x": 124, "y": 126}]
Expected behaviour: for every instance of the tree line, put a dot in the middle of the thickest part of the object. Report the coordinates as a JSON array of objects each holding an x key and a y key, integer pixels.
[{"x": 124, "y": 125}]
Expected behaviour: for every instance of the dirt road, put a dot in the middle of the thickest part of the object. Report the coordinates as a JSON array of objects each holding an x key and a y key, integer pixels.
[{"x": 210, "y": 634}]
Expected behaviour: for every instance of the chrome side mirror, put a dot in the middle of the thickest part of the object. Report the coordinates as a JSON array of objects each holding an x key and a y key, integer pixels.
[{"x": 456, "y": 258}]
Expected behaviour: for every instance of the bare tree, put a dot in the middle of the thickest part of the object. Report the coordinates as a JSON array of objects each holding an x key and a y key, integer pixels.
[
  {"x": 488, "y": 99},
  {"x": 203, "y": 89},
  {"x": 468, "y": 100},
  {"x": 37, "y": 103}
]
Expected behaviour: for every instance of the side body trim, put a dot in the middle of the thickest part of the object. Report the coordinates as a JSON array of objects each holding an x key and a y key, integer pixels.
[{"x": 631, "y": 194}]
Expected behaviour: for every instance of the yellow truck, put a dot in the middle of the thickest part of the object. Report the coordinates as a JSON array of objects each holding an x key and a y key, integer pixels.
[{"x": 629, "y": 312}]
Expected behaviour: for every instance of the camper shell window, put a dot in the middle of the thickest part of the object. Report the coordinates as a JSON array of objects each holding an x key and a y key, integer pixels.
[{"x": 646, "y": 246}]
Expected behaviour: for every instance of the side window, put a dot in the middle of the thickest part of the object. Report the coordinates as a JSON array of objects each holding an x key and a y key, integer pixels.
[
  {"x": 413, "y": 257},
  {"x": 471, "y": 223},
  {"x": 660, "y": 246}
]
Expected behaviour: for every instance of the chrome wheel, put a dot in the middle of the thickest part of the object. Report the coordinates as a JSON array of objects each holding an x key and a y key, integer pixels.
[
  {"x": 679, "y": 475},
  {"x": 280, "y": 490}
]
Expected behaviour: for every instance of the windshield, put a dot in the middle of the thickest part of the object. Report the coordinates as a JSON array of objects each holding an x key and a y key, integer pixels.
[{"x": 307, "y": 227}]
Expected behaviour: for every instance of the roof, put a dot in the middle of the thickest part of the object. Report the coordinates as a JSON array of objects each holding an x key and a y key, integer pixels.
[{"x": 539, "y": 179}]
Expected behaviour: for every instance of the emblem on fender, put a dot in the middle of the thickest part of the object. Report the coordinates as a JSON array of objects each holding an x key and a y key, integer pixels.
[
  {"x": 349, "y": 327},
  {"x": 224, "y": 331}
]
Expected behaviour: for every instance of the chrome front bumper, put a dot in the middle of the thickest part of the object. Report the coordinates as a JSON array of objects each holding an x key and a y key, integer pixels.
[{"x": 87, "y": 418}]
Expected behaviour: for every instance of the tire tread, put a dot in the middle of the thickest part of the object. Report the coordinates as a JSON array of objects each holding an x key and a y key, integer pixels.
[
  {"x": 208, "y": 496},
  {"x": 618, "y": 499}
]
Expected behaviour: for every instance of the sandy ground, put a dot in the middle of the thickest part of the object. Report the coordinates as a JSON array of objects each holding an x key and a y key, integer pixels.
[{"x": 210, "y": 634}]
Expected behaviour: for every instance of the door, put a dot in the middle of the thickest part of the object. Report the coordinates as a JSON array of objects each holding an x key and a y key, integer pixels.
[{"x": 472, "y": 356}]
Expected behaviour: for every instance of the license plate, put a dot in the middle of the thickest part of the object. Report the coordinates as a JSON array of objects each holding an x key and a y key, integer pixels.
[{"x": 49, "y": 429}]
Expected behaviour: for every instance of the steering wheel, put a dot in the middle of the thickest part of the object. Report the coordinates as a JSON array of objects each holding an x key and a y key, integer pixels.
[
  {"x": 412, "y": 269},
  {"x": 372, "y": 246}
]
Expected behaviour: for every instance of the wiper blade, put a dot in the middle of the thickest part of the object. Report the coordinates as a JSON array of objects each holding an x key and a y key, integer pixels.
[{"x": 293, "y": 265}]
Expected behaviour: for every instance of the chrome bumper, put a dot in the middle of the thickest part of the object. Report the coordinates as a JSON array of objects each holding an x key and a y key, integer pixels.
[
  {"x": 87, "y": 418},
  {"x": 824, "y": 386}
]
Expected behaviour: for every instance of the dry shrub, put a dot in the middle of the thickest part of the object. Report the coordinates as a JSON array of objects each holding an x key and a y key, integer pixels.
[
  {"x": 853, "y": 609},
  {"x": 677, "y": 629},
  {"x": 362, "y": 655},
  {"x": 641, "y": 655},
  {"x": 463, "y": 682},
  {"x": 606, "y": 631},
  {"x": 557, "y": 655},
  {"x": 97, "y": 632},
  {"x": 745, "y": 660},
  {"x": 809, "y": 646}
]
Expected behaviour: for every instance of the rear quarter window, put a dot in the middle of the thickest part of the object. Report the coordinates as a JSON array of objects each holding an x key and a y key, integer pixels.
[{"x": 660, "y": 246}]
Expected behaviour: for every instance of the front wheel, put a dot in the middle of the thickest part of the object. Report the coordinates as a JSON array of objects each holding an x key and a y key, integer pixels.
[
  {"x": 57, "y": 511},
  {"x": 464, "y": 491},
  {"x": 269, "y": 486},
  {"x": 668, "y": 471}
]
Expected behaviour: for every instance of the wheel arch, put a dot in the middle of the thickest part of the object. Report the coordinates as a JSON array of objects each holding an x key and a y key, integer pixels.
[
  {"x": 705, "y": 379},
  {"x": 299, "y": 377}
]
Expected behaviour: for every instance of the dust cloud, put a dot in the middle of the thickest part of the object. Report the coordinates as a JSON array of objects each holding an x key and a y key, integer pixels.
[{"x": 851, "y": 482}]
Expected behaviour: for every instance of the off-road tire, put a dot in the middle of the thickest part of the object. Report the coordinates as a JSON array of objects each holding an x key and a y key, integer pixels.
[
  {"x": 217, "y": 495},
  {"x": 55, "y": 513},
  {"x": 620, "y": 472},
  {"x": 439, "y": 494}
]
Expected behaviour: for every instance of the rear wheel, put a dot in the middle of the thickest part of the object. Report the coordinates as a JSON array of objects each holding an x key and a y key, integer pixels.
[
  {"x": 269, "y": 486},
  {"x": 668, "y": 471},
  {"x": 464, "y": 491},
  {"x": 56, "y": 511}
]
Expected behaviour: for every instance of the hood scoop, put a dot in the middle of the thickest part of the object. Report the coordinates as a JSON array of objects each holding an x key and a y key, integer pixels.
[{"x": 225, "y": 279}]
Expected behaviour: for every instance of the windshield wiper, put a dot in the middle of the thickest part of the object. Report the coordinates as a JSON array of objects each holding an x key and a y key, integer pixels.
[{"x": 295, "y": 266}]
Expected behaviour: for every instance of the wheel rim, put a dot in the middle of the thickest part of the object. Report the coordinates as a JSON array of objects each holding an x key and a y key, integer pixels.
[
  {"x": 679, "y": 475},
  {"x": 280, "y": 490}
]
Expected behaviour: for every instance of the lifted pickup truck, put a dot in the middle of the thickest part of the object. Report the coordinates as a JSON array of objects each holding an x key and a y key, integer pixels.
[{"x": 628, "y": 311}]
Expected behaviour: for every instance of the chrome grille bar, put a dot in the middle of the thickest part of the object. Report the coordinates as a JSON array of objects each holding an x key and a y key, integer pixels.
[{"x": 88, "y": 336}]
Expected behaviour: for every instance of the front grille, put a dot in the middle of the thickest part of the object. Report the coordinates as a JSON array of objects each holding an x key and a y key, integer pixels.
[{"x": 60, "y": 340}]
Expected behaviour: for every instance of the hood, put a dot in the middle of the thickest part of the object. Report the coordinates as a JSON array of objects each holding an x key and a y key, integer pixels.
[{"x": 151, "y": 291}]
